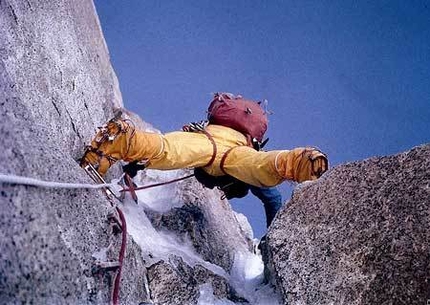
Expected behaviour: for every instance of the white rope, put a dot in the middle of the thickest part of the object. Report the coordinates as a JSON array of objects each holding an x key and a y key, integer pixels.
[{"x": 13, "y": 179}]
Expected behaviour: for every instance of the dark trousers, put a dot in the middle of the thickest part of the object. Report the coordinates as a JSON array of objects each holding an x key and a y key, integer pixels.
[{"x": 271, "y": 199}]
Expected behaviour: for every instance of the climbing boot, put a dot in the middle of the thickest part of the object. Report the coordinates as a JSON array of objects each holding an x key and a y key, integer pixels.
[{"x": 109, "y": 145}]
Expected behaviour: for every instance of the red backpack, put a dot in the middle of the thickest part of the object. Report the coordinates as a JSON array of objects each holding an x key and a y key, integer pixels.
[{"x": 245, "y": 116}]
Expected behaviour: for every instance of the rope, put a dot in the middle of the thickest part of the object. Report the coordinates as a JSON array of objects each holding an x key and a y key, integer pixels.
[
  {"x": 115, "y": 293},
  {"x": 14, "y": 179},
  {"x": 156, "y": 184}
]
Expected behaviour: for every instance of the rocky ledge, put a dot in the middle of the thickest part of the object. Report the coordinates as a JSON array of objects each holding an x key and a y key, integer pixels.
[{"x": 359, "y": 235}]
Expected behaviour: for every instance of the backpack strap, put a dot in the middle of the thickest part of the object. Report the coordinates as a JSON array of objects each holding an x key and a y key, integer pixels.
[
  {"x": 200, "y": 127},
  {"x": 213, "y": 145},
  {"x": 222, "y": 162}
]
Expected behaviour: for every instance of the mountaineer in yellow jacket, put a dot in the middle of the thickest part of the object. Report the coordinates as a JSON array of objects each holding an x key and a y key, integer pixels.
[{"x": 218, "y": 150}]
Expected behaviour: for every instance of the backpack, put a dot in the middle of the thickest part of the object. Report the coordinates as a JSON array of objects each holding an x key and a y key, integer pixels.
[{"x": 245, "y": 116}]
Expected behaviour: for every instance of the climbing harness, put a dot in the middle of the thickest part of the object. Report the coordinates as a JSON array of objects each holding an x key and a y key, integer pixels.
[
  {"x": 222, "y": 162},
  {"x": 214, "y": 153},
  {"x": 231, "y": 187}
]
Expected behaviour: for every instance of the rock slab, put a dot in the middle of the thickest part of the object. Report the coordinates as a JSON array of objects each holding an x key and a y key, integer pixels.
[{"x": 359, "y": 235}]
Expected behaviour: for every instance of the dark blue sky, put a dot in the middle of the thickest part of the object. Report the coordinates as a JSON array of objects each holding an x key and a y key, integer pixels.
[{"x": 351, "y": 77}]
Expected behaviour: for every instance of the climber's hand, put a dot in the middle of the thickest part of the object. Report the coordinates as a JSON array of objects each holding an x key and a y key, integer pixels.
[
  {"x": 311, "y": 164},
  {"x": 319, "y": 166}
]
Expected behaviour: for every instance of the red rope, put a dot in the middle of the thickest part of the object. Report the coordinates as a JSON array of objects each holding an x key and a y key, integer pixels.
[
  {"x": 115, "y": 293},
  {"x": 156, "y": 184}
]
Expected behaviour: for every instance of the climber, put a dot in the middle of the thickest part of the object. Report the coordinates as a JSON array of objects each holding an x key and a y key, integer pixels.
[{"x": 218, "y": 150}]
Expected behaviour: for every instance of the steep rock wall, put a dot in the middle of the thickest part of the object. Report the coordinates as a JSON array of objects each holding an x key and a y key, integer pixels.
[
  {"x": 359, "y": 235},
  {"x": 56, "y": 86}
]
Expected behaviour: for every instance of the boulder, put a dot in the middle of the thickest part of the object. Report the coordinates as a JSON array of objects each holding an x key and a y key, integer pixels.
[
  {"x": 358, "y": 235},
  {"x": 175, "y": 282}
]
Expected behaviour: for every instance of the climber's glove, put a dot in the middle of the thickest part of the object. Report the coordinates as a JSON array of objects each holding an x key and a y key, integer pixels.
[{"x": 313, "y": 164}]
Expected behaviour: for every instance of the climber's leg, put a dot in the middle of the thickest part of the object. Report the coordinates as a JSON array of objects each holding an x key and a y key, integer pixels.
[
  {"x": 183, "y": 150},
  {"x": 271, "y": 199},
  {"x": 119, "y": 140}
]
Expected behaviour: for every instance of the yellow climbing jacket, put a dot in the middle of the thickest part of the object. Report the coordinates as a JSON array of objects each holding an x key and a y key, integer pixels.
[{"x": 218, "y": 150}]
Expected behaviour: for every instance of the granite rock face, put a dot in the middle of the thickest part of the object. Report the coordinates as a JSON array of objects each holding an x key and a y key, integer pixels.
[
  {"x": 56, "y": 86},
  {"x": 359, "y": 235},
  {"x": 175, "y": 282}
]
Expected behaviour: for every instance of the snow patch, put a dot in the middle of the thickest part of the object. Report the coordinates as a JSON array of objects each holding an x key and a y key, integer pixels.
[
  {"x": 207, "y": 297},
  {"x": 159, "y": 244},
  {"x": 247, "y": 277},
  {"x": 244, "y": 225},
  {"x": 160, "y": 198}
]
